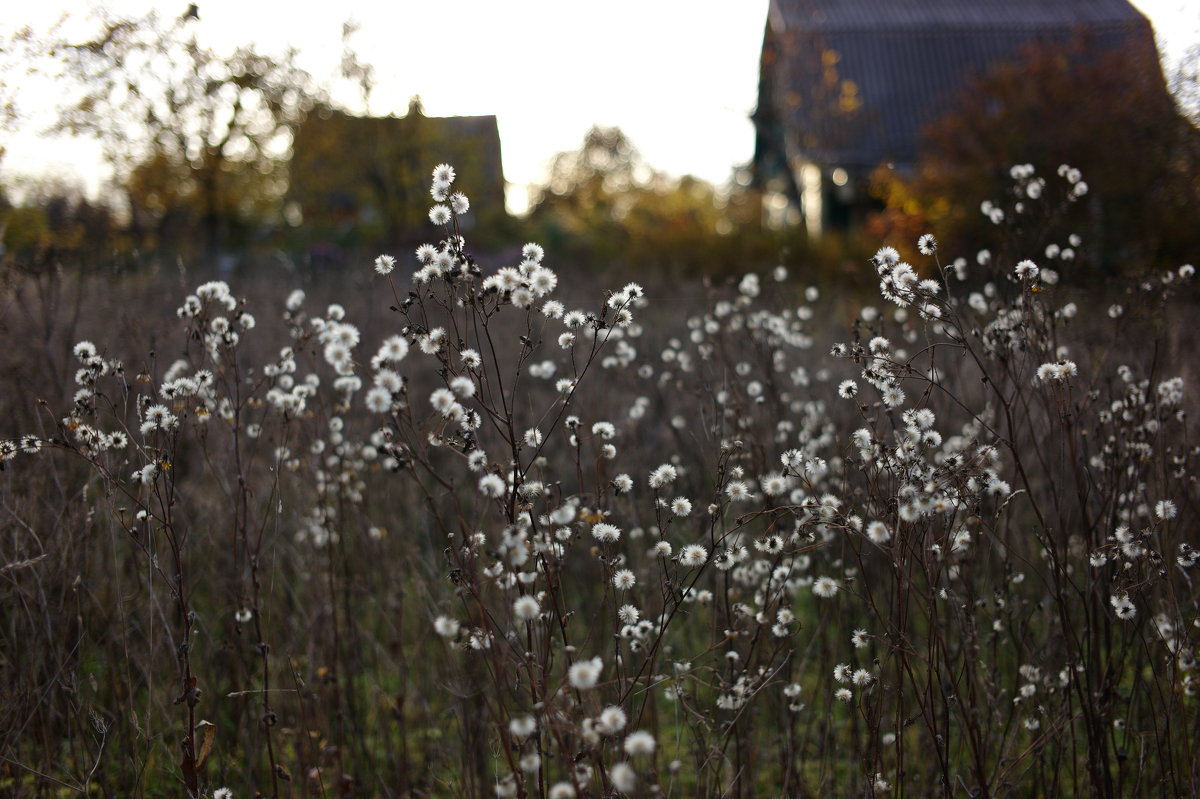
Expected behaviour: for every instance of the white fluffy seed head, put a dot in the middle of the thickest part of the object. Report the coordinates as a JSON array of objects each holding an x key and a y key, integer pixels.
[{"x": 585, "y": 674}]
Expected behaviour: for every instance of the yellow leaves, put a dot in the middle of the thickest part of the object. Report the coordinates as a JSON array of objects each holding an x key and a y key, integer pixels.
[{"x": 849, "y": 101}]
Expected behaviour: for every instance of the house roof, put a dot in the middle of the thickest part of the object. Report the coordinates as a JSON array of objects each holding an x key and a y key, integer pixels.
[
  {"x": 907, "y": 15},
  {"x": 853, "y": 82}
]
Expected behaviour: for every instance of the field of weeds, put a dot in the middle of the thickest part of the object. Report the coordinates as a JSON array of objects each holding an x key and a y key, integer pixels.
[{"x": 439, "y": 530}]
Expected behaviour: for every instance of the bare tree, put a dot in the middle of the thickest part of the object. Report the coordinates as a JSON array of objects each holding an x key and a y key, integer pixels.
[{"x": 209, "y": 132}]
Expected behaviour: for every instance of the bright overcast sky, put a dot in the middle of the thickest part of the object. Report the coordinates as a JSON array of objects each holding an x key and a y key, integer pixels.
[{"x": 680, "y": 77}]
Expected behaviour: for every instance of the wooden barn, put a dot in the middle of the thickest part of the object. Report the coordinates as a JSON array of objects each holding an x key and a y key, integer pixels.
[
  {"x": 847, "y": 85},
  {"x": 364, "y": 181}
]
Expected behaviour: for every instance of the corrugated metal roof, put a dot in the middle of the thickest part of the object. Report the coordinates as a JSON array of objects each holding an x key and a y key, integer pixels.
[
  {"x": 853, "y": 82},
  {"x": 907, "y": 14}
]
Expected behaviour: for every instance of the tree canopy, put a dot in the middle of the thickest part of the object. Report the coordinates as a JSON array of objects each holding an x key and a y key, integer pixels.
[
  {"x": 190, "y": 131},
  {"x": 604, "y": 204}
]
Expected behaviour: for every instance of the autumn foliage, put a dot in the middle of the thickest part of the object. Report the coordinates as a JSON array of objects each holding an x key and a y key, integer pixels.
[{"x": 1061, "y": 104}]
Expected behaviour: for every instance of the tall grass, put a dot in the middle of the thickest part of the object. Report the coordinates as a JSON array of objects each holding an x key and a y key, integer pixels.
[{"x": 509, "y": 540}]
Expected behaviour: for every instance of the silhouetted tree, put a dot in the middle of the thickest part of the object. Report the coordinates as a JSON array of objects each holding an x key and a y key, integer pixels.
[{"x": 208, "y": 131}]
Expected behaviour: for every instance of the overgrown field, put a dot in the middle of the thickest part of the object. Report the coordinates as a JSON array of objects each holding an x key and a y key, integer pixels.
[{"x": 440, "y": 530}]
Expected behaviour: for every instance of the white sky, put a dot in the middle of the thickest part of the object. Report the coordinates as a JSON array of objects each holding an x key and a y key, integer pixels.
[{"x": 680, "y": 77}]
